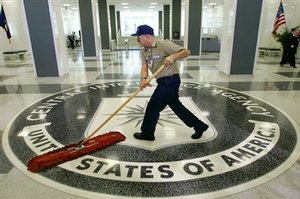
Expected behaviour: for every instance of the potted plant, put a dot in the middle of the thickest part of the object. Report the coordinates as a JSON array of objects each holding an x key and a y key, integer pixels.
[{"x": 281, "y": 37}]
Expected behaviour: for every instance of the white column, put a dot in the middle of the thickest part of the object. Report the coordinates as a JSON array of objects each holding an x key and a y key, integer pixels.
[
  {"x": 44, "y": 23},
  {"x": 96, "y": 23},
  {"x": 227, "y": 35},
  {"x": 59, "y": 37}
]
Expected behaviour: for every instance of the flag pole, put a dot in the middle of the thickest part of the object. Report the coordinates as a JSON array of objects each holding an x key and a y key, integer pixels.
[{"x": 286, "y": 28}]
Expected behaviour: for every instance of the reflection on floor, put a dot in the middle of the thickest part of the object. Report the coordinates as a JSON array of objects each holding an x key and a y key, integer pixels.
[{"x": 251, "y": 149}]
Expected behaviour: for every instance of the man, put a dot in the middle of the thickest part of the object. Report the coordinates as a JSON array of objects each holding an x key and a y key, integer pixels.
[
  {"x": 155, "y": 53},
  {"x": 290, "y": 48}
]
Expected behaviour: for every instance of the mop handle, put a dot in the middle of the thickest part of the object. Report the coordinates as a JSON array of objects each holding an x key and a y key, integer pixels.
[{"x": 124, "y": 104}]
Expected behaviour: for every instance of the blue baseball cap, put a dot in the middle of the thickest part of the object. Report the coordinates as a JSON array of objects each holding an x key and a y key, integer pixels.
[{"x": 143, "y": 30}]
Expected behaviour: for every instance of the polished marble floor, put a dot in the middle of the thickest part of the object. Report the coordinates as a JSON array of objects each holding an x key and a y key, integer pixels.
[{"x": 251, "y": 149}]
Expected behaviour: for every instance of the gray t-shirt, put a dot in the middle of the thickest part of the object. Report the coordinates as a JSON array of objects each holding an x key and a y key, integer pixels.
[{"x": 155, "y": 55}]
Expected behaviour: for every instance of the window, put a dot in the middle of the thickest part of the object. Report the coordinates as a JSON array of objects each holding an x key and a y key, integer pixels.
[{"x": 131, "y": 20}]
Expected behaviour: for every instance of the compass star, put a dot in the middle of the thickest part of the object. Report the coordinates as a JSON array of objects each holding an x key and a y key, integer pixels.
[{"x": 136, "y": 114}]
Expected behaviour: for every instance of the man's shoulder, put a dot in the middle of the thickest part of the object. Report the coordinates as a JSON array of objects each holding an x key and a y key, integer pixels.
[{"x": 165, "y": 42}]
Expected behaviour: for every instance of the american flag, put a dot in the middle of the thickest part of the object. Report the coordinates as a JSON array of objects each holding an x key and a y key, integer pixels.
[{"x": 279, "y": 19}]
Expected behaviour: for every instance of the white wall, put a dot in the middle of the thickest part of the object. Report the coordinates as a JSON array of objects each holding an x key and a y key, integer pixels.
[
  {"x": 71, "y": 19},
  {"x": 20, "y": 39},
  {"x": 16, "y": 21},
  {"x": 212, "y": 21},
  {"x": 15, "y": 16},
  {"x": 270, "y": 7}
]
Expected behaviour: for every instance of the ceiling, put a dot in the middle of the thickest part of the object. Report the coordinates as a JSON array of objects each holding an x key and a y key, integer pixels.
[{"x": 138, "y": 5}]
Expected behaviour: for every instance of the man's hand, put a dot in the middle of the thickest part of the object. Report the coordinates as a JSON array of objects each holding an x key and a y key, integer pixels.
[
  {"x": 183, "y": 53},
  {"x": 144, "y": 84},
  {"x": 169, "y": 60}
]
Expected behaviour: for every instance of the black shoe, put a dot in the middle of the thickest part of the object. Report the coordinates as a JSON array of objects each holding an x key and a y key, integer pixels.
[
  {"x": 143, "y": 136},
  {"x": 199, "y": 133},
  {"x": 294, "y": 66},
  {"x": 281, "y": 65}
]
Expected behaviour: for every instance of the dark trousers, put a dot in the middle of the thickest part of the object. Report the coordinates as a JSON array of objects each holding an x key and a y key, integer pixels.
[
  {"x": 292, "y": 59},
  {"x": 284, "y": 57},
  {"x": 288, "y": 56},
  {"x": 166, "y": 93}
]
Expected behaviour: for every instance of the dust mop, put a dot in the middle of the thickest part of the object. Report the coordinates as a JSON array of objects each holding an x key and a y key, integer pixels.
[{"x": 89, "y": 145}]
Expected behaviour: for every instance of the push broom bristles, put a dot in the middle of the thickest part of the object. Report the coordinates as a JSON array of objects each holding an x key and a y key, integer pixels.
[
  {"x": 86, "y": 146},
  {"x": 73, "y": 151}
]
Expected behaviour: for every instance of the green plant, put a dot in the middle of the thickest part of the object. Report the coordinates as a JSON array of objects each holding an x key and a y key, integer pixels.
[{"x": 282, "y": 36}]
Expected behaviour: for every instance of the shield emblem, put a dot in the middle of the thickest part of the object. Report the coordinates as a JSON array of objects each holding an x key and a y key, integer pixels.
[{"x": 170, "y": 130}]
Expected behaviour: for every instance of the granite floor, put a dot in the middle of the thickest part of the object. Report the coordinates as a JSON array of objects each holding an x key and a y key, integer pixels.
[{"x": 251, "y": 149}]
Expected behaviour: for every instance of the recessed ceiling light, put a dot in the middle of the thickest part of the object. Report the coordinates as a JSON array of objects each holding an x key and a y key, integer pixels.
[
  {"x": 124, "y": 4},
  {"x": 153, "y": 3}
]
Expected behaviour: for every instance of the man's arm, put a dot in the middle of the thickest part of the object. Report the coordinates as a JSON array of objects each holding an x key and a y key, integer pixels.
[
  {"x": 144, "y": 71},
  {"x": 178, "y": 55},
  {"x": 144, "y": 75}
]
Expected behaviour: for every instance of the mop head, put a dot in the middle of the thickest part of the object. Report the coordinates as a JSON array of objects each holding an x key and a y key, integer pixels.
[{"x": 72, "y": 151}]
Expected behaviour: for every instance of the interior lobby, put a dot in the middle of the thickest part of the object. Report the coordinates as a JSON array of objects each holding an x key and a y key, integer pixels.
[{"x": 70, "y": 64}]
